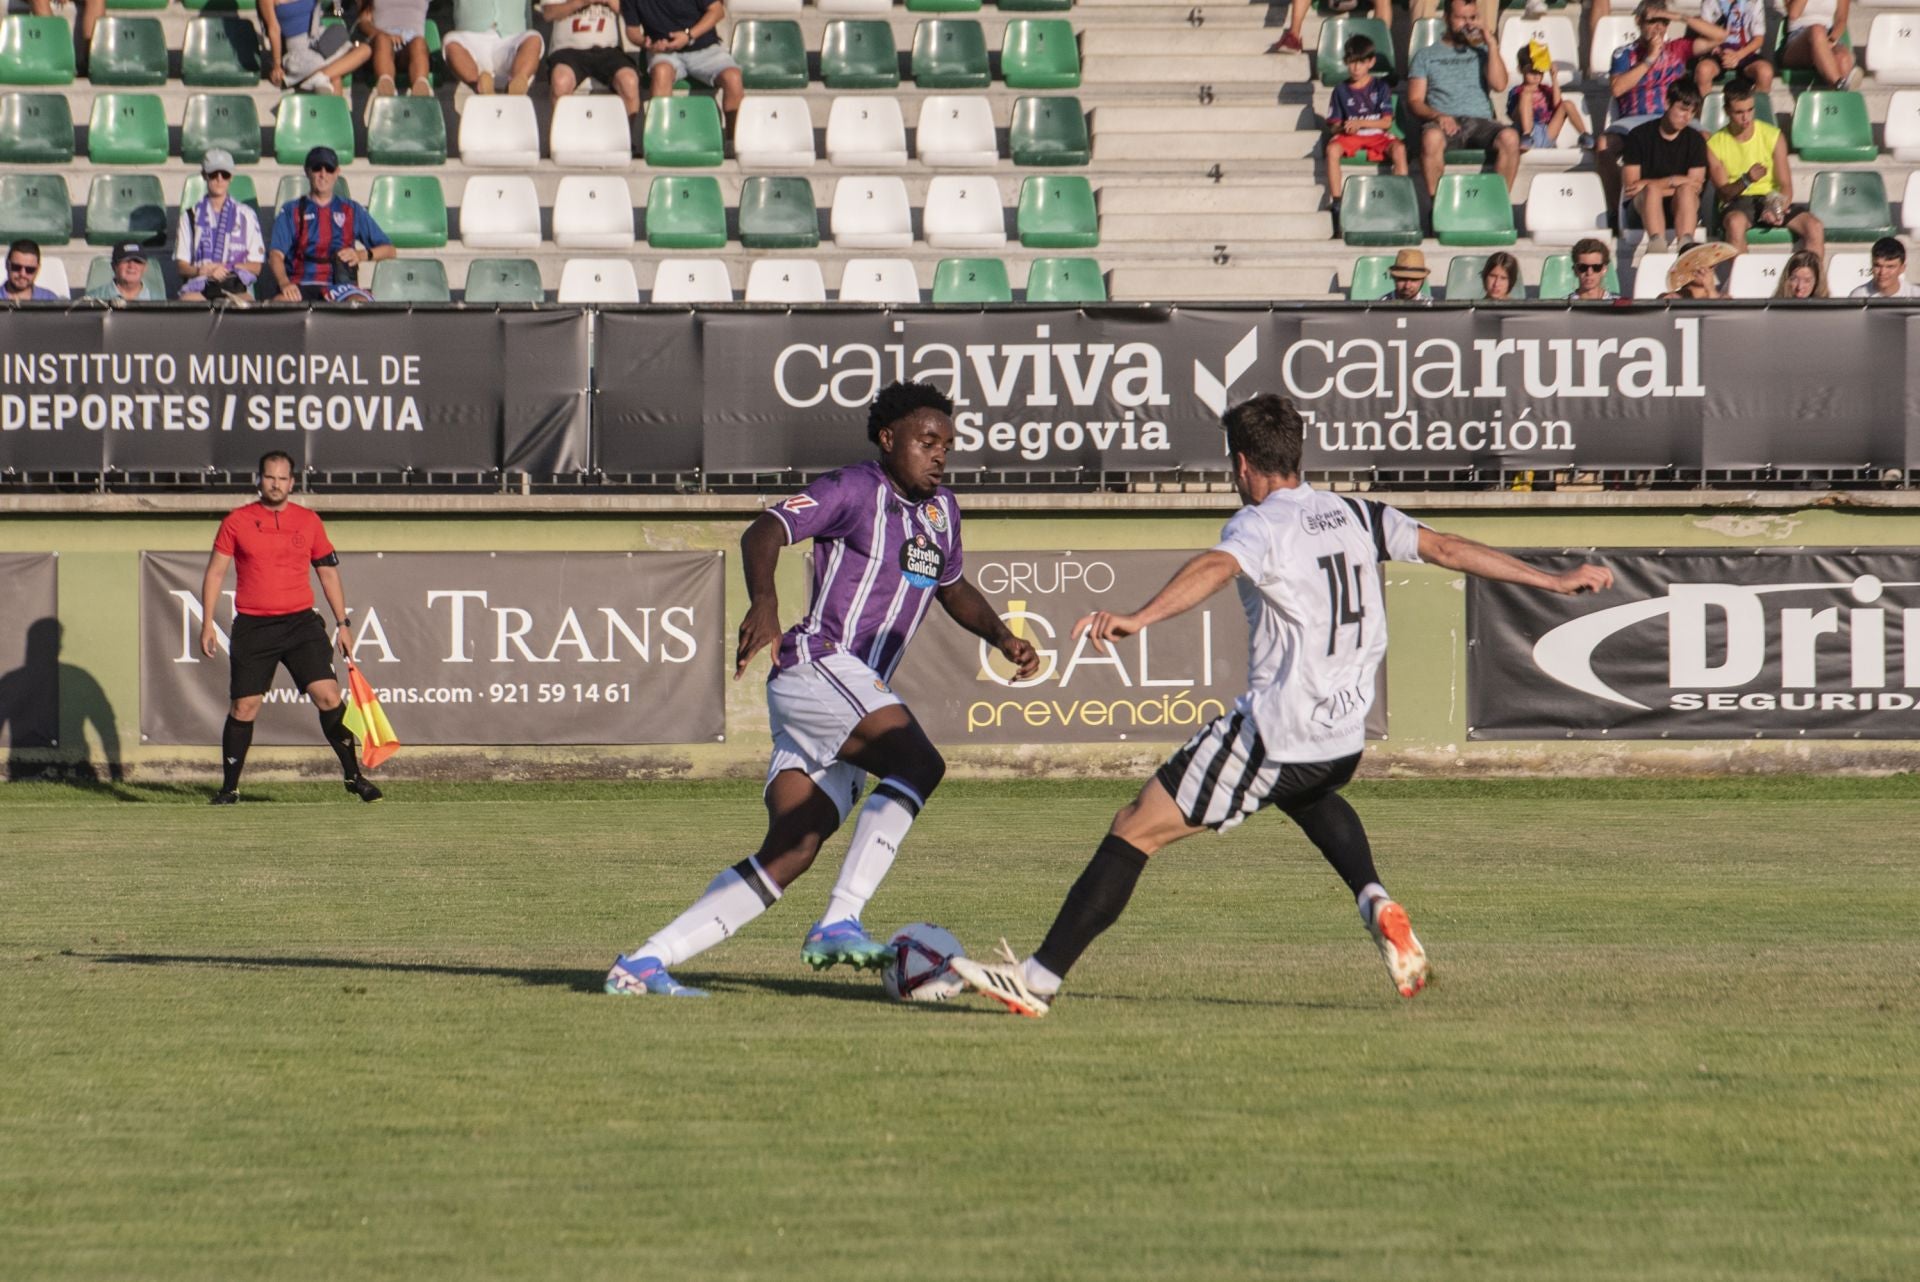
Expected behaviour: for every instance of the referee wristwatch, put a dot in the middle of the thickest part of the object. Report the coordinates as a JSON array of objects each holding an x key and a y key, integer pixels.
[{"x": 345, "y": 621}]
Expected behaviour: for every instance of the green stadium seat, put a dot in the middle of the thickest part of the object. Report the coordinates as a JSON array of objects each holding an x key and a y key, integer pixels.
[
  {"x": 136, "y": 6},
  {"x": 309, "y": 120},
  {"x": 859, "y": 54},
  {"x": 219, "y": 6},
  {"x": 1065, "y": 280},
  {"x": 1473, "y": 209},
  {"x": 1040, "y": 53},
  {"x": 683, "y": 133},
  {"x": 407, "y": 131},
  {"x": 35, "y": 207},
  {"x": 1832, "y": 127},
  {"x": 1034, "y": 6},
  {"x": 35, "y": 51},
  {"x": 1049, "y": 131},
  {"x": 1713, "y": 112},
  {"x": 686, "y": 212},
  {"x": 35, "y": 129},
  {"x": 1380, "y": 209},
  {"x": 128, "y": 52},
  {"x": 1370, "y": 280},
  {"x": 1057, "y": 212},
  {"x": 950, "y": 53},
  {"x": 153, "y": 287},
  {"x": 123, "y": 207},
  {"x": 221, "y": 53},
  {"x": 1463, "y": 278},
  {"x": 229, "y": 121},
  {"x": 411, "y": 209},
  {"x": 411, "y": 280},
  {"x": 1334, "y": 34},
  {"x": 1557, "y": 278},
  {"x": 127, "y": 129},
  {"x": 1426, "y": 31},
  {"x": 778, "y": 213},
  {"x": 504, "y": 280},
  {"x": 943, "y": 6},
  {"x": 772, "y": 53},
  {"x": 1804, "y": 75},
  {"x": 294, "y": 186},
  {"x": 1852, "y": 204},
  {"x": 971, "y": 280}
]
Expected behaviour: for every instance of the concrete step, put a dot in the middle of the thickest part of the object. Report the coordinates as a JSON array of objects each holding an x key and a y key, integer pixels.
[
  {"x": 1206, "y": 200},
  {"x": 1200, "y": 149},
  {"x": 1183, "y": 69},
  {"x": 1208, "y": 41},
  {"x": 1216, "y": 228},
  {"x": 1193, "y": 118}
]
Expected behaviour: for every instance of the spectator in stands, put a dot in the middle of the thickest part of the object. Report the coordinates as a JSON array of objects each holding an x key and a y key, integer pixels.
[
  {"x": 1814, "y": 31},
  {"x": 1743, "y": 52},
  {"x": 1358, "y": 120},
  {"x": 23, "y": 268},
  {"x": 1695, "y": 277},
  {"x": 1409, "y": 273},
  {"x": 91, "y": 11},
  {"x": 1666, "y": 170},
  {"x": 220, "y": 249},
  {"x": 1297, "y": 19},
  {"x": 128, "y": 284},
  {"x": 1747, "y": 164},
  {"x": 1537, "y": 107},
  {"x": 395, "y": 28},
  {"x": 1591, "y": 258},
  {"x": 586, "y": 46},
  {"x": 1448, "y": 85},
  {"x": 486, "y": 59},
  {"x": 1499, "y": 277},
  {"x": 1642, "y": 73},
  {"x": 680, "y": 39},
  {"x": 1889, "y": 273},
  {"x": 304, "y": 55},
  {"x": 1803, "y": 277},
  {"x": 311, "y": 254}
]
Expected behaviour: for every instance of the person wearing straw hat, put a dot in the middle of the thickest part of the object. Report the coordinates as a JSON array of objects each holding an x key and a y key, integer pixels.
[
  {"x": 1409, "y": 273},
  {"x": 1693, "y": 275}
]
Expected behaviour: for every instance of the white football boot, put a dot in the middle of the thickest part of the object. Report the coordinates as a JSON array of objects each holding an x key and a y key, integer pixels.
[{"x": 1005, "y": 982}]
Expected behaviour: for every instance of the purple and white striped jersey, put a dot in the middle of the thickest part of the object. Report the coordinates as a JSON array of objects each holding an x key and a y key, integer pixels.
[{"x": 877, "y": 558}]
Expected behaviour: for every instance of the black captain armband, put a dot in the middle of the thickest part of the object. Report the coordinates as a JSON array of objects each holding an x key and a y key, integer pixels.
[{"x": 331, "y": 558}]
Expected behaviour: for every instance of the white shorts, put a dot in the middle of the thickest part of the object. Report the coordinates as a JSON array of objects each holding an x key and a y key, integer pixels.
[
  {"x": 813, "y": 708},
  {"x": 492, "y": 52}
]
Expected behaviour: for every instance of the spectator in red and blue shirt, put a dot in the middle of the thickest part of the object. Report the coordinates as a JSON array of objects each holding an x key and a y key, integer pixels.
[
  {"x": 1642, "y": 73},
  {"x": 1358, "y": 120},
  {"x": 311, "y": 254}
]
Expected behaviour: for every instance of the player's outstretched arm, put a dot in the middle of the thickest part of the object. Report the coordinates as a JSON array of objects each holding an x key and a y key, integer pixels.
[
  {"x": 1456, "y": 552},
  {"x": 759, "y": 555},
  {"x": 963, "y": 602},
  {"x": 1191, "y": 584},
  {"x": 217, "y": 563}
]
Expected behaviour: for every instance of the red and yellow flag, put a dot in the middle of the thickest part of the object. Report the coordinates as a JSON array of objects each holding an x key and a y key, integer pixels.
[{"x": 368, "y": 723}]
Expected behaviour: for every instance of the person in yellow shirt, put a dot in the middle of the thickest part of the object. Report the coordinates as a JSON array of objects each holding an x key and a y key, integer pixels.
[{"x": 1747, "y": 165}]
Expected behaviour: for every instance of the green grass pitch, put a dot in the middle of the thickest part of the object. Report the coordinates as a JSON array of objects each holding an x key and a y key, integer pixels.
[{"x": 1674, "y": 1035}]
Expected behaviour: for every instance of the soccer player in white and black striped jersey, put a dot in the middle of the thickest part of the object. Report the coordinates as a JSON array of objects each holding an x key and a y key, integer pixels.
[{"x": 1307, "y": 566}]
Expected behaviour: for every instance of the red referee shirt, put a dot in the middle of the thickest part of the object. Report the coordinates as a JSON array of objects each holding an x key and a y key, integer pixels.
[{"x": 273, "y": 555}]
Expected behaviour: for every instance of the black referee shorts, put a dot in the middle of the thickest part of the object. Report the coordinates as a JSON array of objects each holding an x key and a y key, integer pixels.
[
  {"x": 1223, "y": 774},
  {"x": 260, "y": 643}
]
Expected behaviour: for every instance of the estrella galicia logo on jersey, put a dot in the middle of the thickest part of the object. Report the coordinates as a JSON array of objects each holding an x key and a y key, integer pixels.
[
  {"x": 1321, "y": 522},
  {"x": 922, "y": 561},
  {"x": 800, "y": 503},
  {"x": 881, "y": 686},
  {"x": 934, "y": 515}
]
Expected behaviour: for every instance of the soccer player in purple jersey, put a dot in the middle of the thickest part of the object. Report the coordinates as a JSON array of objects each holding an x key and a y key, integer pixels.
[{"x": 886, "y": 545}]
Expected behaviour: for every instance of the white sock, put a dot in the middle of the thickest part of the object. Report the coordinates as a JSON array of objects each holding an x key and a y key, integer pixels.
[
  {"x": 882, "y": 826},
  {"x": 730, "y": 901},
  {"x": 1039, "y": 978},
  {"x": 1371, "y": 896}
]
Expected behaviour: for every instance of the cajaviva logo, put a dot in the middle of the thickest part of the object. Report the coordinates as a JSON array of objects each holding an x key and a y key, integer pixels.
[
  {"x": 1793, "y": 633},
  {"x": 1213, "y": 392}
]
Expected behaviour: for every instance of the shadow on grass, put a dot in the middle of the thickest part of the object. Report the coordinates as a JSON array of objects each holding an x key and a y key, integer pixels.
[{"x": 106, "y": 789}]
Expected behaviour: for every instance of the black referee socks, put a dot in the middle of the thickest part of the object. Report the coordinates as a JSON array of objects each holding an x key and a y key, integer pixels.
[
  {"x": 235, "y": 739},
  {"x": 1095, "y": 903},
  {"x": 333, "y": 724}
]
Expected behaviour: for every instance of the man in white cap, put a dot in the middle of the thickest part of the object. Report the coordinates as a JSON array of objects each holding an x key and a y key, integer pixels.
[
  {"x": 220, "y": 246},
  {"x": 128, "y": 284}
]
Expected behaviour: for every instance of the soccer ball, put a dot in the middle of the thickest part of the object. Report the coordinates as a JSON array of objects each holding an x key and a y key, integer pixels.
[{"x": 919, "y": 970}]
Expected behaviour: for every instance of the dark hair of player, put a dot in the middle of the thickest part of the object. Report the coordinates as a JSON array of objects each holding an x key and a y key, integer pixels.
[
  {"x": 1266, "y": 431},
  {"x": 897, "y": 400},
  {"x": 270, "y": 456}
]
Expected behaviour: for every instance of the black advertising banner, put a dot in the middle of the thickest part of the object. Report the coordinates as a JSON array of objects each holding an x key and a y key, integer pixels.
[
  {"x": 1158, "y": 686},
  {"x": 345, "y": 389},
  {"x": 29, "y": 650},
  {"x": 473, "y": 648},
  {"x": 648, "y": 396},
  {"x": 1768, "y": 644}
]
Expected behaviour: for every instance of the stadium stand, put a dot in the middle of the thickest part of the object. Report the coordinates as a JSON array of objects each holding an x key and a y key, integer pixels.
[
  {"x": 785, "y": 280},
  {"x": 971, "y": 280},
  {"x": 35, "y": 129},
  {"x": 878, "y": 280}
]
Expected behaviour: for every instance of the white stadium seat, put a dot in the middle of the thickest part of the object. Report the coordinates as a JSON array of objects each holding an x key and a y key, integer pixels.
[
  {"x": 1615, "y": 29},
  {"x": 598, "y": 280},
  {"x": 1562, "y": 43},
  {"x": 1893, "y": 49},
  {"x": 498, "y": 131},
  {"x": 855, "y": 8},
  {"x": 1756, "y": 275},
  {"x": 879, "y": 280},
  {"x": 590, "y": 133},
  {"x": 866, "y": 133},
  {"x": 1903, "y": 125},
  {"x": 1651, "y": 281},
  {"x": 500, "y": 212},
  {"x": 1563, "y": 208},
  {"x": 1910, "y": 204},
  {"x": 956, "y": 132},
  {"x": 53, "y": 276},
  {"x": 964, "y": 213},
  {"x": 691, "y": 280},
  {"x": 764, "y": 9},
  {"x": 773, "y": 132},
  {"x": 785, "y": 280},
  {"x": 871, "y": 213},
  {"x": 1848, "y": 272},
  {"x": 593, "y": 212}
]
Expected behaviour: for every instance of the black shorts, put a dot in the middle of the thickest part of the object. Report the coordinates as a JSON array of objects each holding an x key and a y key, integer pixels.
[
  {"x": 1222, "y": 775},
  {"x": 593, "y": 64},
  {"x": 262, "y": 642}
]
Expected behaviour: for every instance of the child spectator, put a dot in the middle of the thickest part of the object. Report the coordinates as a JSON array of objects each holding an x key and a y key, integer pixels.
[
  {"x": 1743, "y": 52},
  {"x": 1499, "y": 277},
  {"x": 1536, "y": 106},
  {"x": 1358, "y": 120}
]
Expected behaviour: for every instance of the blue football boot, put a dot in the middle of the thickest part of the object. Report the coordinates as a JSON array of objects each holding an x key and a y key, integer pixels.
[
  {"x": 646, "y": 976},
  {"x": 843, "y": 941}
]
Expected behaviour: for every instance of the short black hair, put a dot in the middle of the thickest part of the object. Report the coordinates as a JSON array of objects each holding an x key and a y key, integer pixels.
[
  {"x": 1684, "y": 91},
  {"x": 24, "y": 246},
  {"x": 260, "y": 469},
  {"x": 1890, "y": 247},
  {"x": 897, "y": 400},
  {"x": 1357, "y": 47},
  {"x": 1740, "y": 89},
  {"x": 1267, "y": 432}
]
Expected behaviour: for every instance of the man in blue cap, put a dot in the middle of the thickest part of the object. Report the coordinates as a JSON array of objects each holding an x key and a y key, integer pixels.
[
  {"x": 128, "y": 284},
  {"x": 312, "y": 253}
]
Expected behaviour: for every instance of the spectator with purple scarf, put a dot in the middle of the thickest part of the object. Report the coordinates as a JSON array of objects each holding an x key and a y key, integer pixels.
[{"x": 220, "y": 238}]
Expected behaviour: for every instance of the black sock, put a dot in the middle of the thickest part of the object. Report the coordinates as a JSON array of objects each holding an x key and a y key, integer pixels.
[
  {"x": 1094, "y": 903},
  {"x": 235, "y": 739},
  {"x": 334, "y": 725},
  {"x": 1331, "y": 824}
]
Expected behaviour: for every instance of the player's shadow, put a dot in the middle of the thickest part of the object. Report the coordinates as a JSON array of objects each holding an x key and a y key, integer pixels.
[{"x": 579, "y": 981}]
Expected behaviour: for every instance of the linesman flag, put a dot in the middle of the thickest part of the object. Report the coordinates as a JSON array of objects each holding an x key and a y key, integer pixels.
[{"x": 368, "y": 723}]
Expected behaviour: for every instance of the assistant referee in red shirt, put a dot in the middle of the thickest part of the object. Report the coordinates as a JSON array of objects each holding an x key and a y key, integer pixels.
[{"x": 274, "y": 545}]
